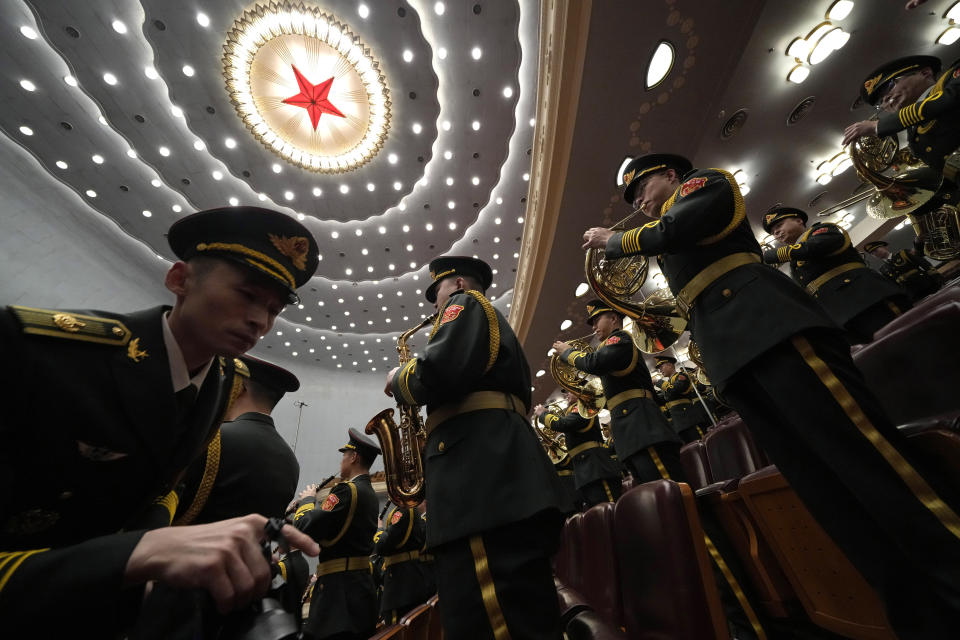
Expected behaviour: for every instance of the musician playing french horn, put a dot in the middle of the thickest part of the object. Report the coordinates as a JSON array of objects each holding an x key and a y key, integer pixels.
[
  {"x": 644, "y": 442},
  {"x": 596, "y": 473},
  {"x": 688, "y": 414},
  {"x": 761, "y": 338},
  {"x": 494, "y": 496}
]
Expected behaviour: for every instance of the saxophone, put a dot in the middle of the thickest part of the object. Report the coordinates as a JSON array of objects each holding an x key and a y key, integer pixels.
[{"x": 402, "y": 444}]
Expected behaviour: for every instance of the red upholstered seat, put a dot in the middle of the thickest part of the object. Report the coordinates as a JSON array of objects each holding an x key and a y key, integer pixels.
[
  {"x": 567, "y": 560},
  {"x": 601, "y": 581},
  {"x": 435, "y": 627},
  {"x": 665, "y": 575},
  {"x": 920, "y": 310},
  {"x": 417, "y": 622},
  {"x": 889, "y": 365},
  {"x": 937, "y": 443},
  {"x": 693, "y": 459},
  {"x": 589, "y": 625},
  {"x": 393, "y": 632},
  {"x": 731, "y": 451}
]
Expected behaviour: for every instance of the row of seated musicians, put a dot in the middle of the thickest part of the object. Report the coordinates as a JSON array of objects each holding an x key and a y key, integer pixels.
[{"x": 640, "y": 569}]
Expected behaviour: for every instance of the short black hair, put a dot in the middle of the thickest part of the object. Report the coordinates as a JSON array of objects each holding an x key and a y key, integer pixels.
[
  {"x": 473, "y": 283},
  {"x": 366, "y": 461},
  {"x": 262, "y": 394}
]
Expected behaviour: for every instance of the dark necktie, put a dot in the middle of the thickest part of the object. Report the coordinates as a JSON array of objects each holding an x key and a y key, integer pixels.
[{"x": 185, "y": 399}]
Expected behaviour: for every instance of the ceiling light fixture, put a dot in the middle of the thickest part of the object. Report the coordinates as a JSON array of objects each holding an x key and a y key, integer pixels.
[
  {"x": 949, "y": 35},
  {"x": 27, "y": 85},
  {"x": 28, "y": 32},
  {"x": 839, "y": 10},
  {"x": 25, "y": 130},
  {"x": 230, "y": 143},
  {"x": 442, "y": 53},
  {"x": 203, "y": 20},
  {"x": 70, "y": 80},
  {"x": 61, "y": 164},
  {"x": 363, "y": 11},
  {"x": 476, "y": 53},
  {"x": 188, "y": 71},
  {"x": 119, "y": 27},
  {"x": 661, "y": 62},
  {"x": 151, "y": 73},
  {"x": 97, "y": 158},
  {"x": 110, "y": 79}
]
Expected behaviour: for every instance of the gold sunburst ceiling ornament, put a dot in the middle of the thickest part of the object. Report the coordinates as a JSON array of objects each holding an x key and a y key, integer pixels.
[{"x": 306, "y": 87}]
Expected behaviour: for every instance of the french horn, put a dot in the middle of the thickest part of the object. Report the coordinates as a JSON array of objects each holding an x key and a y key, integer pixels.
[
  {"x": 586, "y": 387},
  {"x": 553, "y": 443}
]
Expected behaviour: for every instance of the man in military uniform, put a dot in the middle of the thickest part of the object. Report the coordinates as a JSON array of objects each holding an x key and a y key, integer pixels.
[
  {"x": 495, "y": 506},
  {"x": 247, "y": 468},
  {"x": 759, "y": 335},
  {"x": 914, "y": 95},
  {"x": 689, "y": 417},
  {"x": 644, "y": 442},
  {"x": 911, "y": 271},
  {"x": 824, "y": 262},
  {"x": 137, "y": 397},
  {"x": 399, "y": 544},
  {"x": 344, "y": 603},
  {"x": 596, "y": 474}
]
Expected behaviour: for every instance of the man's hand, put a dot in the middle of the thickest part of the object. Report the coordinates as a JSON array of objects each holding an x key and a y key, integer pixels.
[
  {"x": 596, "y": 238},
  {"x": 224, "y": 558},
  {"x": 560, "y": 346},
  {"x": 538, "y": 410},
  {"x": 388, "y": 388},
  {"x": 309, "y": 490},
  {"x": 857, "y": 129}
]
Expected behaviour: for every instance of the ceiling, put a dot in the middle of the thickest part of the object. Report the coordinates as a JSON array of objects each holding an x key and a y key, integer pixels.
[{"x": 454, "y": 170}]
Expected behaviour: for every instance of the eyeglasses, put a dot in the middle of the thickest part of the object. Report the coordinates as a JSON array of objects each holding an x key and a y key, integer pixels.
[{"x": 885, "y": 90}]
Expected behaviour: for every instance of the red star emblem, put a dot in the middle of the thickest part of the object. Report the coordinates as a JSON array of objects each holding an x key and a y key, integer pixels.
[{"x": 313, "y": 98}]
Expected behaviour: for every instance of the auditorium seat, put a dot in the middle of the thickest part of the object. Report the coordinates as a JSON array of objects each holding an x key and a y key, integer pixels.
[
  {"x": 936, "y": 442},
  {"x": 588, "y": 625},
  {"x": 922, "y": 308},
  {"x": 832, "y": 592},
  {"x": 567, "y": 562},
  {"x": 889, "y": 364},
  {"x": 731, "y": 451},
  {"x": 393, "y": 632},
  {"x": 666, "y": 580},
  {"x": 693, "y": 459},
  {"x": 435, "y": 630},
  {"x": 417, "y": 622},
  {"x": 600, "y": 585}
]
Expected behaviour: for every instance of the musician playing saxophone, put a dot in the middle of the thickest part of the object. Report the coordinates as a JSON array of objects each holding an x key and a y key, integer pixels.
[
  {"x": 765, "y": 343},
  {"x": 644, "y": 442},
  {"x": 596, "y": 473},
  {"x": 494, "y": 496}
]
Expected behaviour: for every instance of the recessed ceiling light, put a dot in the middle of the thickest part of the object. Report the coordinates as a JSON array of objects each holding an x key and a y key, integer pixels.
[
  {"x": 417, "y": 128},
  {"x": 526, "y": 177},
  {"x": 131, "y": 153},
  {"x": 27, "y": 85},
  {"x": 475, "y": 180},
  {"x": 276, "y": 167},
  {"x": 301, "y": 216},
  {"x": 62, "y": 164},
  {"x": 499, "y": 200},
  {"x": 839, "y": 9},
  {"x": 334, "y": 235},
  {"x": 91, "y": 193},
  {"x": 397, "y": 186},
  {"x": 475, "y": 125},
  {"x": 349, "y": 272},
  {"x": 176, "y": 111},
  {"x": 428, "y": 226},
  {"x": 177, "y": 208},
  {"x": 109, "y": 78},
  {"x": 496, "y": 256},
  {"x": 407, "y": 55},
  {"x": 28, "y": 32},
  {"x": 516, "y": 255},
  {"x": 451, "y": 204},
  {"x": 344, "y": 189},
  {"x": 188, "y": 71},
  {"x": 402, "y": 206},
  {"x": 164, "y": 151},
  {"x": 288, "y": 195},
  {"x": 230, "y": 143},
  {"x": 382, "y": 229},
  {"x": 496, "y": 221},
  {"x": 391, "y": 267},
  {"x": 449, "y": 181},
  {"x": 406, "y": 228},
  {"x": 371, "y": 186},
  {"x": 97, "y": 158},
  {"x": 409, "y": 247},
  {"x": 25, "y": 130},
  {"x": 452, "y": 225},
  {"x": 359, "y": 232},
  {"x": 370, "y": 268},
  {"x": 363, "y": 11},
  {"x": 151, "y": 73},
  {"x": 217, "y": 175},
  {"x": 203, "y": 20},
  {"x": 261, "y": 197},
  {"x": 439, "y": 8},
  {"x": 119, "y": 27},
  {"x": 661, "y": 62},
  {"x": 70, "y": 80},
  {"x": 448, "y": 154},
  {"x": 476, "y": 53},
  {"x": 147, "y": 213},
  {"x": 102, "y": 120},
  {"x": 508, "y": 92},
  {"x": 520, "y": 220},
  {"x": 442, "y": 53},
  {"x": 155, "y": 183},
  {"x": 446, "y": 125},
  {"x": 317, "y": 192},
  {"x": 233, "y": 201},
  {"x": 533, "y": 121},
  {"x": 496, "y": 239}
]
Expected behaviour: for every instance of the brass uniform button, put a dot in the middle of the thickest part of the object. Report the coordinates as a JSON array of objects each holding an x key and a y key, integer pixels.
[
  {"x": 929, "y": 149},
  {"x": 624, "y": 412},
  {"x": 117, "y": 331},
  {"x": 846, "y": 280},
  {"x": 440, "y": 447},
  {"x": 727, "y": 293}
]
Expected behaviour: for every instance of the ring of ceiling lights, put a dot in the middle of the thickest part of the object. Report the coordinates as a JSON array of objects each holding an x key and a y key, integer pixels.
[{"x": 263, "y": 53}]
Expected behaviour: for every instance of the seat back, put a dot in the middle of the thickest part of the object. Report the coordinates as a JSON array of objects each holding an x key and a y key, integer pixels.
[
  {"x": 598, "y": 561},
  {"x": 831, "y": 591},
  {"x": 920, "y": 310},
  {"x": 937, "y": 441},
  {"x": 731, "y": 451},
  {"x": 693, "y": 459},
  {"x": 665, "y": 574},
  {"x": 567, "y": 560},
  {"x": 417, "y": 622},
  {"x": 435, "y": 627},
  {"x": 393, "y": 632}
]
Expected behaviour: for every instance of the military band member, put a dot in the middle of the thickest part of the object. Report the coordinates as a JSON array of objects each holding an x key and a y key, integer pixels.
[
  {"x": 135, "y": 397},
  {"x": 908, "y": 269},
  {"x": 688, "y": 415},
  {"x": 912, "y": 94},
  {"x": 596, "y": 473},
  {"x": 344, "y": 602},
  {"x": 494, "y": 496},
  {"x": 571, "y": 496},
  {"x": 399, "y": 544},
  {"x": 644, "y": 442},
  {"x": 764, "y": 340},
  {"x": 824, "y": 262}
]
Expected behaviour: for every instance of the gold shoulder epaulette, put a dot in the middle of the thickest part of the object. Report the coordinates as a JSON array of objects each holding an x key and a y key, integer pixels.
[
  {"x": 73, "y": 326},
  {"x": 238, "y": 365}
]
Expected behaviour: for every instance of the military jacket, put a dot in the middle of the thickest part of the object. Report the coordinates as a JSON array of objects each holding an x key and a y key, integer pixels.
[
  {"x": 682, "y": 402},
  {"x": 824, "y": 262},
  {"x": 487, "y": 456},
  {"x": 912, "y": 272},
  {"x": 592, "y": 461},
  {"x": 404, "y": 582},
  {"x": 636, "y": 423},
  {"x": 932, "y": 124},
  {"x": 104, "y": 439},
  {"x": 740, "y": 314},
  {"x": 343, "y": 525}
]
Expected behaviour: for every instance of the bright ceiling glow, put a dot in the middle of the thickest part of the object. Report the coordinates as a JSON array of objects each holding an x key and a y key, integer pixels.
[
  {"x": 953, "y": 13},
  {"x": 475, "y": 125},
  {"x": 830, "y": 41},
  {"x": 27, "y": 85},
  {"x": 176, "y": 111},
  {"x": 156, "y": 184},
  {"x": 417, "y": 128},
  {"x": 203, "y": 20},
  {"x": 131, "y": 154},
  {"x": 407, "y": 55},
  {"x": 397, "y": 186},
  {"x": 25, "y": 130},
  {"x": 344, "y": 189},
  {"x": 217, "y": 175},
  {"x": 660, "y": 64},
  {"x": 276, "y": 168},
  {"x": 508, "y": 92},
  {"x": 110, "y": 79},
  {"x": 582, "y": 288},
  {"x": 476, "y": 53},
  {"x": 188, "y": 71},
  {"x": 28, "y": 32},
  {"x": 798, "y": 74},
  {"x": 91, "y": 193},
  {"x": 371, "y": 186},
  {"x": 177, "y": 208},
  {"x": 233, "y": 201},
  {"x": 363, "y": 11},
  {"x": 147, "y": 213},
  {"x": 317, "y": 192},
  {"x": 451, "y": 204},
  {"x": 442, "y": 53},
  {"x": 447, "y": 155},
  {"x": 61, "y": 164},
  {"x": 230, "y": 143},
  {"x": 151, "y": 73},
  {"x": 164, "y": 151},
  {"x": 70, "y": 80},
  {"x": 288, "y": 195},
  {"x": 622, "y": 168},
  {"x": 119, "y": 27},
  {"x": 950, "y": 34},
  {"x": 566, "y": 324},
  {"x": 97, "y": 158},
  {"x": 839, "y": 9},
  {"x": 475, "y": 180},
  {"x": 439, "y": 8}
]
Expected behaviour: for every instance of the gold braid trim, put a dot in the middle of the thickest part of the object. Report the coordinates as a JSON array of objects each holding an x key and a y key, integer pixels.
[
  {"x": 406, "y": 536},
  {"x": 210, "y": 469},
  {"x": 436, "y": 323},
  {"x": 14, "y": 559},
  {"x": 169, "y": 502},
  {"x": 494, "y": 327},
  {"x": 278, "y": 271},
  {"x": 346, "y": 523},
  {"x": 739, "y": 211}
]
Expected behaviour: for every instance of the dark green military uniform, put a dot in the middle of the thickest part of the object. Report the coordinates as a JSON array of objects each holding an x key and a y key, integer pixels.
[
  {"x": 688, "y": 415},
  {"x": 404, "y": 583},
  {"x": 596, "y": 473},
  {"x": 644, "y": 442},
  {"x": 344, "y": 597},
  {"x": 910, "y": 270},
  {"x": 933, "y": 122},
  {"x": 766, "y": 344},
  {"x": 824, "y": 262},
  {"x": 290, "y": 583},
  {"x": 493, "y": 494},
  {"x": 571, "y": 496}
]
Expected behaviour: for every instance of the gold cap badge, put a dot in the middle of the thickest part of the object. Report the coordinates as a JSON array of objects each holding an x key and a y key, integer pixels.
[{"x": 295, "y": 248}]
